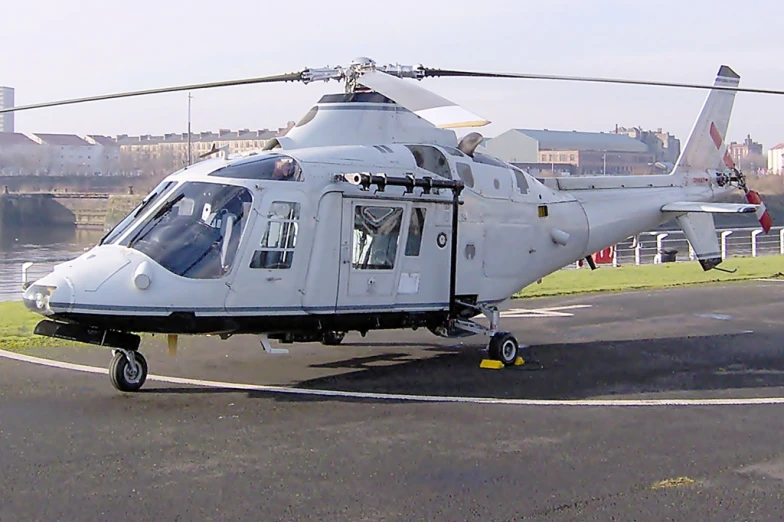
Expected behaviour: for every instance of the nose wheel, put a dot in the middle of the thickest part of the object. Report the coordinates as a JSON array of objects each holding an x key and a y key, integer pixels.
[
  {"x": 128, "y": 370},
  {"x": 503, "y": 347}
]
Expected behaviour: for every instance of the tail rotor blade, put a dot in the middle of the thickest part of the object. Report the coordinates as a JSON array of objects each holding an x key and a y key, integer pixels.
[
  {"x": 289, "y": 77},
  {"x": 430, "y": 106},
  {"x": 753, "y": 197}
]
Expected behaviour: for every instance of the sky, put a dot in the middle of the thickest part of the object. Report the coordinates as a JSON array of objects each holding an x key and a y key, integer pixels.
[{"x": 59, "y": 49}]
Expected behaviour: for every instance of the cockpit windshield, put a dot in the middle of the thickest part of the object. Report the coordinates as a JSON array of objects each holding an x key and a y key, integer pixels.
[
  {"x": 123, "y": 225},
  {"x": 196, "y": 232}
]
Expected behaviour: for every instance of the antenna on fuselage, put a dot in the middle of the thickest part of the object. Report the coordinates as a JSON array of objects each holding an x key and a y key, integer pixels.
[{"x": 190, "y": 97}]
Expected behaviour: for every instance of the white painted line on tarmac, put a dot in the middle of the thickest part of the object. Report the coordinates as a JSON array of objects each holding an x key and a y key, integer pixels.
[
  {"x": 751, "y": 401},
  {"x": 771, "y": 280},
  {"x": 554, "y": 311},
  {"x": 720, "y": 317}
]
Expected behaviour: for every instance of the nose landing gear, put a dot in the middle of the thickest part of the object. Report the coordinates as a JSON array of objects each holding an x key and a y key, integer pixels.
[{"x": 128, "y": 370}]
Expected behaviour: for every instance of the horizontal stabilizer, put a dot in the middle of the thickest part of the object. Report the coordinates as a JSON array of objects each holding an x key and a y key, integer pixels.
[{"x": 710, "y": 208}]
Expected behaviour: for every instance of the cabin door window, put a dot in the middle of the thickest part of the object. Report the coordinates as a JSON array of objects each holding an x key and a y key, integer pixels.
[
  {"x": 376, "y": 235},
  {"x": 373, "y": 242}
]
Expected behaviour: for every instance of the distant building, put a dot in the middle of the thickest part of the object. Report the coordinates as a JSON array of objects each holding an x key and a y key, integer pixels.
[
  {"x": 665, "y": 147},
  {"x": 748, "y": 155},
  {"x": 19, "y": 155},
  {"x": 776, "y": 160},
  {"x": 546, "y": 170},
  {"x": 174, "y": 146},
  {"x": 6, "y": 102},
  {"x": 43, "y": 154},
  {"x": 588, "y": 152},
  {"x": 71, "y": 154},
  {"x": 56, "y": 154}
]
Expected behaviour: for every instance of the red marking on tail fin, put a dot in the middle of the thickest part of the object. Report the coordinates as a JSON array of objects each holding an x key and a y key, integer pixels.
[
  {"x": 717, "y": 139},
  {"x": 728, "y": 160}
]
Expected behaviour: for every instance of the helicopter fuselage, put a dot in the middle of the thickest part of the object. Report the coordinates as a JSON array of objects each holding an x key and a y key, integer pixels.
[{"x": 236, "y": 246}]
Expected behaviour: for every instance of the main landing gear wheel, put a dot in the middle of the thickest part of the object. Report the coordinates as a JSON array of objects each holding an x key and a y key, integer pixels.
[
  {"x": 333, "y": 338},
  {"x": 503, "y": 347},
  {"x": 127, "y": 375}
]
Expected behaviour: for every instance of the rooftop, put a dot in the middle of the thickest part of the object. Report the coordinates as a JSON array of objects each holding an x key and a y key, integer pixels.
[
  {"x": 102, "y": 140},
  {"x": 15, "y": 138},
  {"x": 777, "y": 147},
  {"x": 63, "y": 140},
  {"x": 207, "y": 136},
  {"x": 574, "y": 140}
]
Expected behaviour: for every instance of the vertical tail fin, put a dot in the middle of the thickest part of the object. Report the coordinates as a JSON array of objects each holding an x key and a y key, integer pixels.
[{"x": 705, "y": 147}]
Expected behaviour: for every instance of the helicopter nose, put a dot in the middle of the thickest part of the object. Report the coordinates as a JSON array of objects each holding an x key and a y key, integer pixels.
[{"x": 49, "y": 294}]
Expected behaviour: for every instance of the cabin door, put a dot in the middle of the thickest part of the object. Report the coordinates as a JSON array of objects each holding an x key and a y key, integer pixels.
[{"x": 370, "y": 251}]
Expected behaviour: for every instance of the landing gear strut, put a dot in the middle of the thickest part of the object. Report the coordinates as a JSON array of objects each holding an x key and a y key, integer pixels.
[
  {"x": 503, "y": 346},
  {"x": 128, "y": 370}
]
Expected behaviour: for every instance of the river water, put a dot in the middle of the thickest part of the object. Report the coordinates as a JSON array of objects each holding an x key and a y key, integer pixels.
[{"x": 45, "y": 247}]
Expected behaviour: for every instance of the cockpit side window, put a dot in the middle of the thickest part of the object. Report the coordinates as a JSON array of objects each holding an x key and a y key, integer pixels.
[
  {"x": 430, "y": 158},
  {"x": 276, "y": 167},
  {"x": 522, "y": 182},
  {"x": 280, "y": 238}
]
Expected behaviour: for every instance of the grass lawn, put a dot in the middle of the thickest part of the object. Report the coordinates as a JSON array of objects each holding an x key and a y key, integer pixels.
[
  {"x": 609, "y": 279},
  {"x": 17, "y": 323},
  {"x": 16, "y": 329}
]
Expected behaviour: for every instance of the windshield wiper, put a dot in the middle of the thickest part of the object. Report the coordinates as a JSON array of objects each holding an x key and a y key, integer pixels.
[
  {"x": 161, "y": 211},
  {"x": 144, "y": 204}
]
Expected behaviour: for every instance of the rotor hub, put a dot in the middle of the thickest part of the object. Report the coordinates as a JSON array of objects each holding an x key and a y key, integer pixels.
[{"x": 356, "y": 68}]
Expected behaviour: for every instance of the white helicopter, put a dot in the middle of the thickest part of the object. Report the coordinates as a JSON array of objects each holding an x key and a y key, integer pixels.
[{"x": 369, "y": 214}]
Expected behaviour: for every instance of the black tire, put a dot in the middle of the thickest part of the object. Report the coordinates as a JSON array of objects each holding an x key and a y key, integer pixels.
[
  {"x": 333, "y": 338},
  {"x": 504, "y": 348},
  {"x": 120, "y": 372}
]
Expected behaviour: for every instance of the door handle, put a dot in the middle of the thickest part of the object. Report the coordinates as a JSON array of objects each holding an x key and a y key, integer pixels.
[{"x": 345, "y": 254}]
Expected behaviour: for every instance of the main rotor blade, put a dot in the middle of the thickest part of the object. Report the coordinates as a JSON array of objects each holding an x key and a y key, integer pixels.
[
  {"x": 429, "y": 105},
  {"x": 434, "y": 73},
  {"x": 290, "y": 77}
]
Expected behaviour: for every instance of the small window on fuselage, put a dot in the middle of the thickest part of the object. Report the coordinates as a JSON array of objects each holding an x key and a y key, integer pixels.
[
  {"x": 416, "y": 228},
  {"x": 276, "y": 167},
  {"x": 464, "y": 171},
  {"x": 488, "y": 160}
]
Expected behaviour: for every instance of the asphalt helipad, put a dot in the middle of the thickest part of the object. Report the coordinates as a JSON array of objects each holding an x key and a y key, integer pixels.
[{"x": 639, "y": 406}]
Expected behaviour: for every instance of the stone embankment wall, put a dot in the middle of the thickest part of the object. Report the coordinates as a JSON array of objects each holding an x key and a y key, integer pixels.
[
  {"x": 41, "y": 200},
  {"x": 35, "y": 210}
]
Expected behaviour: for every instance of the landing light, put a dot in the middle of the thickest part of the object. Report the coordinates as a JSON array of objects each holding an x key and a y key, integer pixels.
[{"x": 37, "y": 297}]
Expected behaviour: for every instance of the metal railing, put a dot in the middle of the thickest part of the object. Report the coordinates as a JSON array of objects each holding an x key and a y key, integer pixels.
[{"x": 661, "y": 246}]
